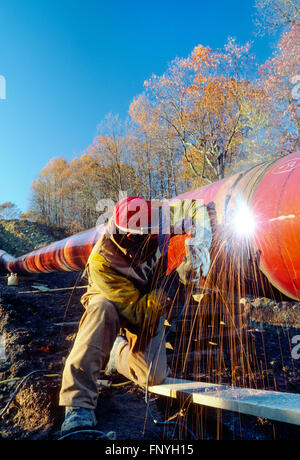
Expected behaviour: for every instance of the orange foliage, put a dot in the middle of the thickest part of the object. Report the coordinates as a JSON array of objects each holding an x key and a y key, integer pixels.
[{"x": 191, "y": 126}]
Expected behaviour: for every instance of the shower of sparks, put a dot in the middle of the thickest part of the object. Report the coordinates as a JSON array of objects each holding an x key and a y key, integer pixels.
[
  {"x": 244, "y": 223},
  {"x": 214, "y": 340}
]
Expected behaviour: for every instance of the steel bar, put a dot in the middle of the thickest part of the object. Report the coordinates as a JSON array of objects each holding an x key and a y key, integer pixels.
[{"x": 277, "y": 406}]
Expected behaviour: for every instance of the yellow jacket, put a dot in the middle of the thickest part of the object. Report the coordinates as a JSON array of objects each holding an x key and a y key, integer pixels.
[
  {"x": 129, "y": 285},
  {"x": 132, "y": 305}
]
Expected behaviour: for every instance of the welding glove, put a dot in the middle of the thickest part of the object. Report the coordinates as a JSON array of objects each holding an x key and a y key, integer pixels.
[{"x": 196, "y": 263}]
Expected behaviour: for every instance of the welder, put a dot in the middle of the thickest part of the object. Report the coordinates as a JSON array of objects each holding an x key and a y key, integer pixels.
[{"x": 128, "y": 291}]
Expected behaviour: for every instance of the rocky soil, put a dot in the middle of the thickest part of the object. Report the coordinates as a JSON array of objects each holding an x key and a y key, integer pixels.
[
  {"x": 38, "y": 330},
  {"x": 18, "y": 237}
]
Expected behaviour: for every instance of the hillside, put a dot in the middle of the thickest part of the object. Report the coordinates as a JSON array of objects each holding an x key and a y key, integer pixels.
[{"x": 17, "y": 237}]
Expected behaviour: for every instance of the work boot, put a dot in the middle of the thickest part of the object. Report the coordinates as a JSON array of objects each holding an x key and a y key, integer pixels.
[
  {"x": 78, "y": 418},
  {"x": 111, "y": 365}
]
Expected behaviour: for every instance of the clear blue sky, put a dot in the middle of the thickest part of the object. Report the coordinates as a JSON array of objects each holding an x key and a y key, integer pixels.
[{"x": 67, "y": 63}]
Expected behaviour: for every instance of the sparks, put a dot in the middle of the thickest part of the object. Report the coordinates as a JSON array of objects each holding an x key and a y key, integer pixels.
[{"x": 243, "y": 221}]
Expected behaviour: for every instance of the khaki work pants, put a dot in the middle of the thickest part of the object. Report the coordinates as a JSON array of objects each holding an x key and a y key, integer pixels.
[{"x": 97, "y": 332}]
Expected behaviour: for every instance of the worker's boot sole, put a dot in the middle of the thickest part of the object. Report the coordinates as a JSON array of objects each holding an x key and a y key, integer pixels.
[{"x": 78, "y": 418}]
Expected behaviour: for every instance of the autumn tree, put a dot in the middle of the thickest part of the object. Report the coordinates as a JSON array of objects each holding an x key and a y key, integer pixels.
[
  {"x": 86, "y": 188},
  {"x": 272, "y": 15},
  {"x": 279, "y": 80},
  {"x": 32, "y": 216},
  {"x": 66, "y": 194},
  {"x": 207, "y": 116},
  {"x": 210, "y": 107},
  {"x": 50, "y": 193},
  {"x": 9, "y": 210},
  {"x": 111, "y": 153},
  {"x": 154, "y": 151}
]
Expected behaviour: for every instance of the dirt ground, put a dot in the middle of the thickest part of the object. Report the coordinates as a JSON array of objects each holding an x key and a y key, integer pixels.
[
  {"x": 37, "y": 337},
  {"x": 36, "y": 331}
]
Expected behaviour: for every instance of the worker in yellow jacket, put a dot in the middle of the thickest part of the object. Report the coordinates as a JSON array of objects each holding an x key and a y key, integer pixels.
[{"x": 128, "y": 289}]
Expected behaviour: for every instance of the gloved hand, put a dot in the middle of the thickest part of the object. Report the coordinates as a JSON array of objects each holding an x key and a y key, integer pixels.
[
  {"x": 199, "y": 260},
  {"x": 196, "y": 263}
]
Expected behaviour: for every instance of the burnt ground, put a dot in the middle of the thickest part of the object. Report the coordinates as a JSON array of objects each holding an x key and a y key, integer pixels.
[{"x": 37, "y": 336}]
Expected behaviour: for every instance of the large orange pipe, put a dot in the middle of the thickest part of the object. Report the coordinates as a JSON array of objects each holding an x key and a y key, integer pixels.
[
  {"x": 270, "y": 190},
  {"x": 70, "y": 254}
]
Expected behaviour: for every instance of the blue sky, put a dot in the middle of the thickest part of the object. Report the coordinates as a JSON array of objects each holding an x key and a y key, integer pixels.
[{"x": 67, "y": 63}]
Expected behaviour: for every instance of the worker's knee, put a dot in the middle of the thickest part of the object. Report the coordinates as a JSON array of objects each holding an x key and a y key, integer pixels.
[
  {"x": 148, "y": 376},
  {"x": 156, "y": 376},
  {"x": 102, "y": 308}
]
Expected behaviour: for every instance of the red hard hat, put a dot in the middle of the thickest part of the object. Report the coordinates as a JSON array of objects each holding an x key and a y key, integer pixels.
[{"x": 136, "y": 215}]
